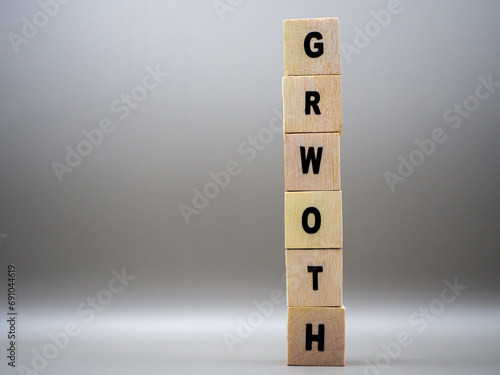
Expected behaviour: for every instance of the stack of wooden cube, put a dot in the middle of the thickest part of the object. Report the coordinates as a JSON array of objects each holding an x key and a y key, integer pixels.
[{"x": 312, "y": 113}]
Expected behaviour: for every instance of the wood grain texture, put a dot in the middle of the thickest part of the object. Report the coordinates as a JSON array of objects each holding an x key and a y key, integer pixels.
[
  {"x": 330, "y": 104},
  {"x": 329, "y": 205},
  {"x": 299, "y": 280},
  {"x": 333, "y": 319},
  {"x": 297, "y": 62},
  {"x": 328, "y": 176}
]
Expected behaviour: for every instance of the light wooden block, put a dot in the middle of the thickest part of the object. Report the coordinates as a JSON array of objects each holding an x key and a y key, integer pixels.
[
  {"x": 308, "y": 168},
  {"x": 333, "y": 321},
  {"x": 295, "y": 35},
  {"x": 306, "y": 285},
  {"x": 312, "y": 104},
  {"x": 325, "y": 233}
]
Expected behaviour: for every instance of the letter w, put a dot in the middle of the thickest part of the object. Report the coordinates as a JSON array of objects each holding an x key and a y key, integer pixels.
[{"x": 315, "y": 160}]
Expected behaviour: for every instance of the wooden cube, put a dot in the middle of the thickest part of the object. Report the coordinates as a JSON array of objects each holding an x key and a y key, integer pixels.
[
  {"x": 311, "y": 46},
  {"x": 314, "y": 277},
  {"x": 313, "y": 220},
  {"x": 316, "y": 336},
  {"x": 312, "y": 161},
  {"x": 312, "y": 104}
]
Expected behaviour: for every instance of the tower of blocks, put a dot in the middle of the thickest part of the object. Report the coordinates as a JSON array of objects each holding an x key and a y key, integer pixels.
[{"x": 312, "y": 120}]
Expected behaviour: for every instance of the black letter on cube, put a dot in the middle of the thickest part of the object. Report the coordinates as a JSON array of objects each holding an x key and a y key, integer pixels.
[
  {"x": 319, "y": 46},
  {"x": 310, "y": 158},
  {"x": 315, "y": 270},
  {"x": 320, "y": 337},
  {"x": 317, "y": 220},
  {"x": 312, "y": 100}
]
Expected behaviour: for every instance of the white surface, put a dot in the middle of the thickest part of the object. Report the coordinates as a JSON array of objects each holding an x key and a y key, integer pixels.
[{"x": 460, "y": 341}]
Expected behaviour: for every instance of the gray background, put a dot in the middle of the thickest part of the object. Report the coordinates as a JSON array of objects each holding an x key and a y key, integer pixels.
[{"x": 193, "y": 282}]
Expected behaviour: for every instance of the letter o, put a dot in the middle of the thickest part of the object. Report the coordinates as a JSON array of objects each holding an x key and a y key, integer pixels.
[
  {"x": 251, "y": 320},
  {"x": 269, "y": 138},
  {"x": 80, "y": 150},
  {"x": 369, "y": 26},
  {"x": 215, "y": 189},
  {"x": 413, "y": 157},
  {"x": 107, "y": 300},
  {"x": 475, "y": 103},
  {"x": 440, "y": 306},
  {"x": 317, "y": 220},
  {"x": 45, "y": 351},
  {"x": 276, "y": 129},
  {"x": 40, "y": 16},
  {"x": 139, "y": 94},
  {"x": 379, "y": 363}
]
